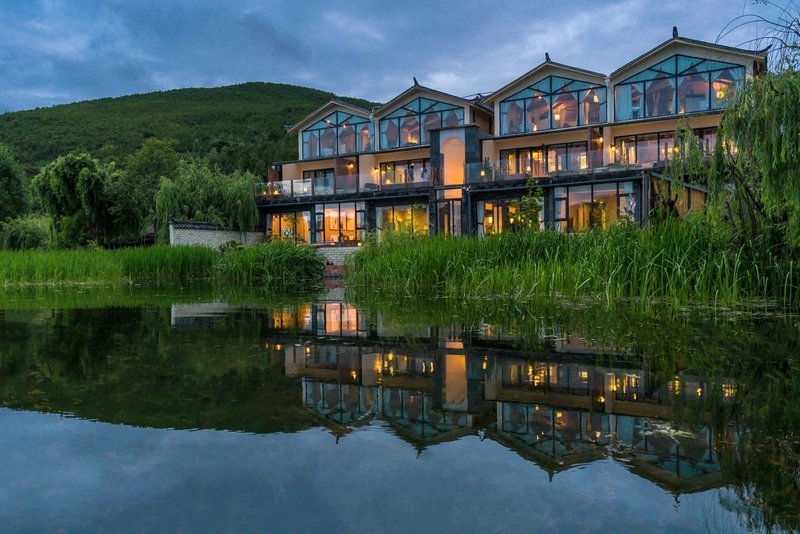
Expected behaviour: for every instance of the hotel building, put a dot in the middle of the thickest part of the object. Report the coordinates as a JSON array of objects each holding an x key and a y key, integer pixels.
[{"x": 428, "y": 162}]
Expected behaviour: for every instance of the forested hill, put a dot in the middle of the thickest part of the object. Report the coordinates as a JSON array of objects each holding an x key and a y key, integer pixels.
[{"x": 238, "y": 126}]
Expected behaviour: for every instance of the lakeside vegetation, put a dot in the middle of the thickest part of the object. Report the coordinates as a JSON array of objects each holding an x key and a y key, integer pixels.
[
  {"x": 276, "y": 264},
  {"x": 676, "y": 261}
]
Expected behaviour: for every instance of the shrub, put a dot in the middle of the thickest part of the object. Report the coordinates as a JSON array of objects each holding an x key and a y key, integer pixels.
[{"x": 25, "y": 233}]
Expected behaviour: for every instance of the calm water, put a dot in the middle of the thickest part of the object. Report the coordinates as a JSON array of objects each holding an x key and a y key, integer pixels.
[{"x": 154, "y": 410}]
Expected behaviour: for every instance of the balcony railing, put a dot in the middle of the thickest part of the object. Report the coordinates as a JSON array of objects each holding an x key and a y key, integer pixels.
[
  {"x": 487, "y": 172},
  {"x": 370, "y": 182}
]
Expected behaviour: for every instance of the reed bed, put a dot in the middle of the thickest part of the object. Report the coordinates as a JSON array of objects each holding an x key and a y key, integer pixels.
[
  {"x": 279, "y": 264},
  {"x": 272, "y": 264},
  {"x": 678, "y": 261}
]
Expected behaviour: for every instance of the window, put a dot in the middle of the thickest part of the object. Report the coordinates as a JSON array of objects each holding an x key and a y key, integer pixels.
[
  {"x": 411, "y": 124},
  {"x": 497, "y": 216},
  {"x": 553, "y": 102},
  {"x": 340, "y": 222},
  {"x": 406, "y": 219},
  {"x": 656, "y": 147},
  {"x": 581, "y": 207},
  {"x": 321, "y": 181},
  {"x": 677, "y": 85},
  {"x": 540, "y": 161},
  {"x": 405, "y": 172},
  {"x": 294, "y": 225},
  {"x": 338, "y": 133}
]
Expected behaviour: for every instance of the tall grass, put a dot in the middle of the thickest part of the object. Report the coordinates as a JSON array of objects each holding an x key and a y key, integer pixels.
[
  {"x": 270, "y": 264},
  {"x": 279, "y": 263},
  {"x": 677, "y": 261}
]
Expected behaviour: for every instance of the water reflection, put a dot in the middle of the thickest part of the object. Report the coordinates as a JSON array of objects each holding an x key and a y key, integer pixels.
[
  {"x": 556, "y": 407},
  {"x": 685, "y": 405}
]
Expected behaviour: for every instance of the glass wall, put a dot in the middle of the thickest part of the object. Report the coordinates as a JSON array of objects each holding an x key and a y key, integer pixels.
[
  {"x": 581, "y": 207},
  {"x": 405, "y": 172},
  {"x": 321, "y": 180},
  {"x": 553, "y": 102},
  {"x": 293, "y": 225},
  {"x": 405, "y": 218},
  {"x": 543, "y": 160},
  {"x": 338, "y": 133},
  {"x": 678, "y": 85},
  {"x": 411, "y": 124},
  {"x": 448, "y": 212},
  {"x": 657, "y": 147},
  {"x": 339, "y": 222}
]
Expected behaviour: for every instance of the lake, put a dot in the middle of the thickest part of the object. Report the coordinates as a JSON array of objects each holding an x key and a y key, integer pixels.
[{"x": 208, "y": 410}]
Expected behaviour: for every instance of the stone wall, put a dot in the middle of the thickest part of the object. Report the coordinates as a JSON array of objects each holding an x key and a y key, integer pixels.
[
  {"x": 181, "y": 235},
  {"x": 337, "y": 255}
]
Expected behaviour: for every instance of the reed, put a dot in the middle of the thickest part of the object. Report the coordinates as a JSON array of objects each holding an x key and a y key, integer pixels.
[
  {"x": 677, "y": 261},
  {"x": 270, "y": 264},
  {"x": 281, "y": 264}
]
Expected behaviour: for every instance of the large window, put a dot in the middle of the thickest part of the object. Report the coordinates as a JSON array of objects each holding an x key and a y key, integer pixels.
[
  {"x": 580, "y": 207},
  {"x": 543, "y": 160},
  {"x": 405, "y": 172},
  {"x": 294, "y": 225},
  {"x": 656, "y": 147},
  {"x": 553, "y": 103},
  {"x": 678, "y": 85},
  {"x": 406, "y": 219},
  {"x": 321, "y": 181},
  {"x": 338, "y": 133},
  {"x": 497, "y": 216},
  {"x": 340, "y": 222},
  {"x": 411, "y": 124}
]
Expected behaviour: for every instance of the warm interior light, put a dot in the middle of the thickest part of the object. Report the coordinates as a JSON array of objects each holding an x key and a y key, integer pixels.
[
  {"x": 613, "y": 148},
  {"x": 699, "y": 392},
  {"x": 557, "y": 117},
  {"x": 559, "y": 415},
  {"x": 534, "y": 128},
  {"x": 353, "y": 374},
  {"x": 308, "y": 350},
  {"x": 595, "y": 99},
  {"x": 528, "y": 168},
  {"x": 278, "y": 346},
  {"x": 483, "y": 172},
  {"x": 600, "y": 139}
]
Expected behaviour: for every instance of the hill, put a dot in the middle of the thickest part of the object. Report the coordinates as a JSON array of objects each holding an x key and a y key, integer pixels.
[{"x": 238, "y": 126}]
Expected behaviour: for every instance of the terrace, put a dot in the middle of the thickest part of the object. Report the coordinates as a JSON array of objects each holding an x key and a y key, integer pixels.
[{"x": 348, "y": 184}]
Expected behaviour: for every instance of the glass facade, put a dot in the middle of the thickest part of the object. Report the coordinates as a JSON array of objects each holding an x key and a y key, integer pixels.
[
  {"x": 581, "y": 207},
  {"x": 405, "y": 172},
  {"x": 551, "y": 103},
  {"x": 657, "y": 147},
  {"x": 410, "y": 125},
  {"x": 339, "y": 222},
  {"x": 338, "y": 133},
  {"x": 293, "y": 225},
  {"x": 677, "y": 85},
  {"x": 541, "y": 161},
  {"x": 410, "y": 219}
]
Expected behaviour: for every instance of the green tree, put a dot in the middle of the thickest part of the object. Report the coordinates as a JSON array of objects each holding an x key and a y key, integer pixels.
[
  {"x": 203, "y": 193},
  {"x": 13, "y": 198},
  {"x": 73, "y": 191},
  {"x": 529, "y": 207}
]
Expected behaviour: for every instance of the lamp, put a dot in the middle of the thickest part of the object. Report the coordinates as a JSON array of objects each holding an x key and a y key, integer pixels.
[
  {"x": 600, "y": 140},
  {"x": 557, "y": 117}
]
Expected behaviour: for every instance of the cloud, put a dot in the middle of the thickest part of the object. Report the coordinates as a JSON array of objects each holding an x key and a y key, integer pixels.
[{"x": 56, "y": 51}]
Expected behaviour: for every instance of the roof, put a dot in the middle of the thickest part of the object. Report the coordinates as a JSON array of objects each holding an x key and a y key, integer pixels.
[
  {"x": 333, "y": 104},
  {"x": 694, "y": 42},
  {"x": 547, "y": 64},
  {"x": 399, "y": 99},
  {"x": 194, "y": 225}
]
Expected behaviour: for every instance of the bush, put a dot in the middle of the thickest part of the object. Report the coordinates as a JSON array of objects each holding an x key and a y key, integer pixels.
[
  {"x": 25, "y": 233},
  {"x": 278, "y": 264}
]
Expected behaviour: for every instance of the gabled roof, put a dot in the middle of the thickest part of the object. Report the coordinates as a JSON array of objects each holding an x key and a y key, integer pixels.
[
  {"x": 392, "y": 104},
  {"x": 327, "y": 109},
  {"x": 693, "y": 42},
  {"x": 537, "y": 71}
]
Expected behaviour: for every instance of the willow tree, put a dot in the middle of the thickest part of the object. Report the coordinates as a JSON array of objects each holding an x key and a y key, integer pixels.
[{"x": 757, "y": 161}]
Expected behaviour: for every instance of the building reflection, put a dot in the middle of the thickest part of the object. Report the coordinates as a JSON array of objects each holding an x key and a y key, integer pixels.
[{"x": 562, "y": 405}]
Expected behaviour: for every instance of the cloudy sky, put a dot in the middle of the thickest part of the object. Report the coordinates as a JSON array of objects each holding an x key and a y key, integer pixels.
[{"x": 54, "y": 51}]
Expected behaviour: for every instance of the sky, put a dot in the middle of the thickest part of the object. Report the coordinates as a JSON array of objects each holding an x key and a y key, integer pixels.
[{"x": 54, "y": 52}]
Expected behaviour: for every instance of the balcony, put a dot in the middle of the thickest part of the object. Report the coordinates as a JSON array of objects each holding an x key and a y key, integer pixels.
[{"x": 370, "y": 182}]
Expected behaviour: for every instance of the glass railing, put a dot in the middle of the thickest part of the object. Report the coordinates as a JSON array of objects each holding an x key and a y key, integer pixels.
[{"x": 369, "y": 182}]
